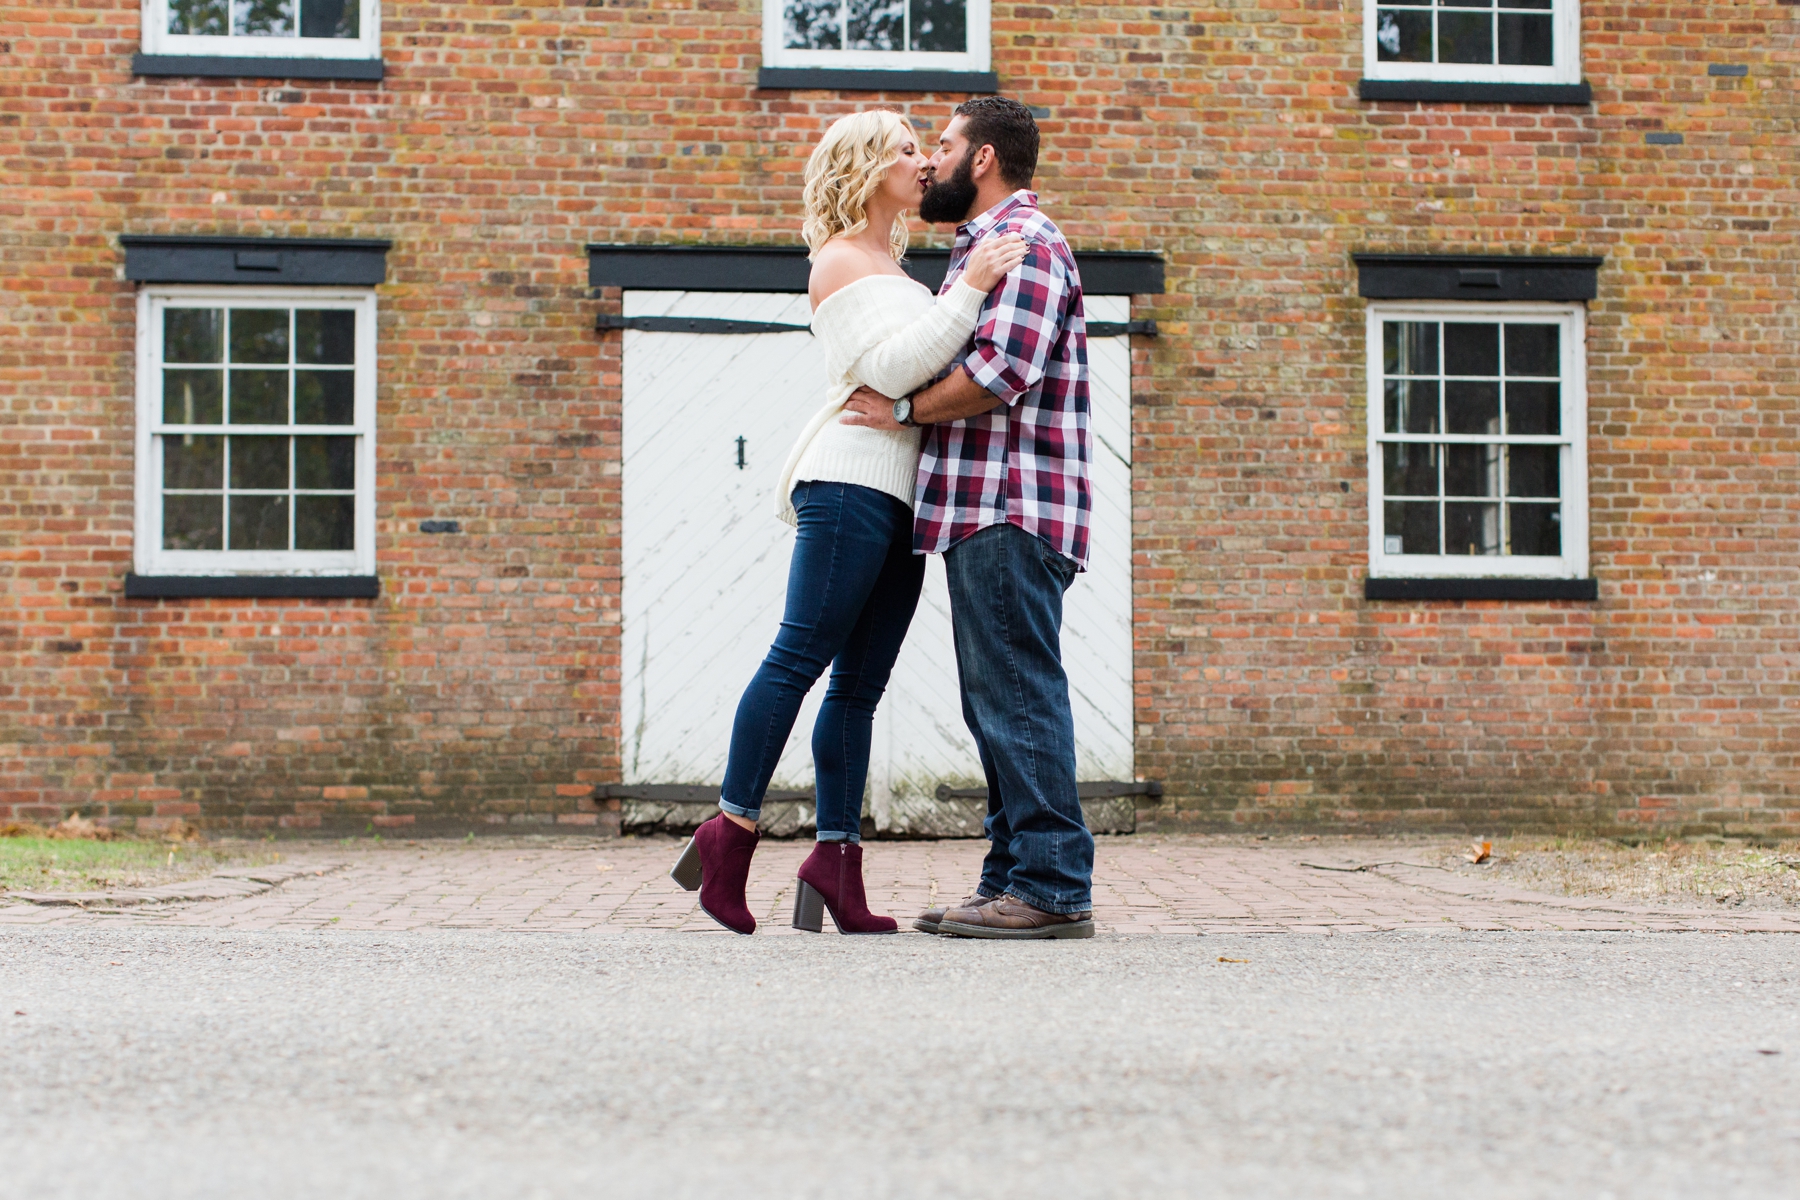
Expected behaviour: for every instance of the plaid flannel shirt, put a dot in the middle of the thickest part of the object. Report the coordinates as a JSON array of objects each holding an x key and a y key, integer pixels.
[{"x": 1025, "y": 463}]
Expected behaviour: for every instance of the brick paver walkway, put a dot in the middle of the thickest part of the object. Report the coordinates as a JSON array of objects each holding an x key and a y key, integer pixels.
[{"x": 1145, "y": 884}]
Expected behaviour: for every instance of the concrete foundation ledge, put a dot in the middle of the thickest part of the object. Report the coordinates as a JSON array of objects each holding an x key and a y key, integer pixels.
[{"x": 1109, "y": 807}]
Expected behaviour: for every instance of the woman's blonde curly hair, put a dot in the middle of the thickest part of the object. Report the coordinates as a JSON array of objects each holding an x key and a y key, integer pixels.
[{"x": 846, "y": 168}]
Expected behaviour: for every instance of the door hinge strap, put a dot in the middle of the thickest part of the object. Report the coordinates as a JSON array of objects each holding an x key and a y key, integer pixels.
[
  {"x": 1095, "y": 329},
  {"x": 1100, "y": 329},
  {"x": 694, "y": 325}
]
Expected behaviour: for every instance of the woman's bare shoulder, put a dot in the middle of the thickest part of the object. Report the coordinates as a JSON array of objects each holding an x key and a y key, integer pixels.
[{"x": 840, "y": 264}]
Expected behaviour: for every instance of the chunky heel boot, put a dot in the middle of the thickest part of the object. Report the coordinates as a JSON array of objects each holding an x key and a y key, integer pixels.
[
  {"x": 809, "y": 907},
  {"x": 832, "y": 876},
  {"x": 722, "y": 849},
  {"x": 686, "y": 870}
]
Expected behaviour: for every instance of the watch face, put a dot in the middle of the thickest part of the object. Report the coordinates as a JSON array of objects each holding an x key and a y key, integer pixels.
[{"x": 903, "y": 411}]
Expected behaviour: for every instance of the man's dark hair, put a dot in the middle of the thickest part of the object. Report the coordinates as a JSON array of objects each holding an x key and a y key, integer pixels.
[{"x": 1006, "y": 125}]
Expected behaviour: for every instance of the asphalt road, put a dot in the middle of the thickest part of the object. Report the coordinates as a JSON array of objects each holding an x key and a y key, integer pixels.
[{"x": 188, "y": 1063}]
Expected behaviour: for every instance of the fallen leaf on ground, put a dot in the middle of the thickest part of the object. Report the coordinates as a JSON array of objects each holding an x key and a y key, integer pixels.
[
  {"x": 1480, "y": 852},
  {"x": 181, "y": 831},
  {"x": 21, "y": 829},
  {"x": 78, "y": 827},
  {"x": 1222, "y": 958}
]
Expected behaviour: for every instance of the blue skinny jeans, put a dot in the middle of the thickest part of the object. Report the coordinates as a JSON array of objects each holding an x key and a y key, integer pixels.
[{"x": 853, "y": 584}]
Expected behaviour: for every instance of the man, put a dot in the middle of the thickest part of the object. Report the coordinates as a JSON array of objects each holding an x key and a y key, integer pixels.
[{"x": 1003, "y": 496}]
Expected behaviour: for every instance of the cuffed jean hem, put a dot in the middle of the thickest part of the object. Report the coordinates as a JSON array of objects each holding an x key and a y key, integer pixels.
[
  {"x": 835, "y": 836},
  {"x": 1042, "y": 905},
  {"x": 749, "y": 814}
]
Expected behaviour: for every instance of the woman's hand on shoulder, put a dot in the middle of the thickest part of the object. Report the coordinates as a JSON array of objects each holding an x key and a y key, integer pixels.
[
  {"x": 990, "y": 261},
  {"x": 837, "y": 265}
]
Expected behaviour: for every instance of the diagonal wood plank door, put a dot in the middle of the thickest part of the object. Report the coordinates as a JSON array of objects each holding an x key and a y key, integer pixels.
[{"x": 705, "y": 565}]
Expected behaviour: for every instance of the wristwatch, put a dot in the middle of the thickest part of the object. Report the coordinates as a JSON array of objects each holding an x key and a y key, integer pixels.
[{"x": 903, "y": 412}]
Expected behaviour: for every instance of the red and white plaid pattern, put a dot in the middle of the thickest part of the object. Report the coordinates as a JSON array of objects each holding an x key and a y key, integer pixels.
[{"x": 1025, "y": 463}]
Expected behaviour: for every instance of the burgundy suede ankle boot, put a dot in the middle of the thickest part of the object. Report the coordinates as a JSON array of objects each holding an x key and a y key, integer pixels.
[
  {"x": 831, "y": 877},
  {"x": 721, "y": 851}
]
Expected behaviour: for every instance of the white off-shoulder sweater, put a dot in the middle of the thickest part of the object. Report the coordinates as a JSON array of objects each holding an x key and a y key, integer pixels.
[{"x": 892, "y": 334}]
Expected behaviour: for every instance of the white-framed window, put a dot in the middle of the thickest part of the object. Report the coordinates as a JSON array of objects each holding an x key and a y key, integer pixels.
[
  {"x": 1477, "y": 440},
  {"x": 263, "y": 28},
  {"x": 1473, "y": 41},
  {"x": 936, "y": 35},
  {"x": 255, "y": 431}
]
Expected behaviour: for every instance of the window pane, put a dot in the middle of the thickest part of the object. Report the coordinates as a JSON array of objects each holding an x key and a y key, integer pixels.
[
  {"x": 192, "y": 461},
  {"x": 330, "y": 18},
  {"x": 193, "y": 397},
  {"x": 1533, "y": 408},
  {"x": 811, "y": 25},
  {"x": 1533, "y": 471},
  {"x": 262, "y": 18},
  {"x": 325, "y": 336},
  {"x": 1402, "y": 36},
  {"x": 1471, "y": 470},
  {"x": 941, "y": 26},
  {"x": 325, "y": 463},
  {"x": 1471, "y": 407},
  {"x": 1471, "y": 529},
  {"x": 199, "y": 18},
  {"x": 259, "y": 523},
  {"x": 1409, "y": 528},
  {"x": 1466, "y": 3},
  {"x": 1536, "y": 528},
  {"x": 1471, "y": 349},
  {"x": 877, "y": 24},
  {"x": 259, "y": 462},
  {"x": 193, "y": 522},
  {"x": 192, "y": 335},
  {"x": 324, "y": 397},
  {"x": 1465, "y": 37},
  {"x": 324, "y": 522},
  {"x": 1533, "y": 350},
  {"x": 259, "y": 397},
  {"x": 1525, "y": 39},
  {"x": 1467, "y": 379},
  {"x": 1409, "y": 469},
  {"x": 1412, "y": 406},
  {"x": 259, "y": 335},
  {"x": 1409, "y": 348}
]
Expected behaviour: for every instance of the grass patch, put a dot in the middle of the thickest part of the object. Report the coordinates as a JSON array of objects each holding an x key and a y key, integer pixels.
[
  {"x": 1710, "y": 874},
  {"x": 36, "y": 864}
]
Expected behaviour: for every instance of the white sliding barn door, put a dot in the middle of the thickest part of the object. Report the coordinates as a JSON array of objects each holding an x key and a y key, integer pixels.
[
  {"x": 705, "y": 560},
  {"x": 705, "y": 567}
]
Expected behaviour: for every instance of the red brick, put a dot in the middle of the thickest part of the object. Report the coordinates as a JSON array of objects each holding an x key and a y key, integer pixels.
[{"x": 1227, "y": 138}]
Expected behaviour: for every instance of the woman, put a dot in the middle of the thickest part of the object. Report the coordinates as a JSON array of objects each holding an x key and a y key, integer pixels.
[{"x": 853, "y": 581}]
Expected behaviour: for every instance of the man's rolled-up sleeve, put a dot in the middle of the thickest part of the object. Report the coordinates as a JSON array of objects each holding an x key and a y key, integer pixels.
[{"x": 1018, "y": 325}]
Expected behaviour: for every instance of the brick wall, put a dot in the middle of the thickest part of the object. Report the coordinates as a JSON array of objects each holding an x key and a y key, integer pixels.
[{"x": 482, "y": 685}]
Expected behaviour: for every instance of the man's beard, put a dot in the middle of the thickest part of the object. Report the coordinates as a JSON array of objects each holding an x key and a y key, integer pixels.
[{"x": 948, "y": 201}]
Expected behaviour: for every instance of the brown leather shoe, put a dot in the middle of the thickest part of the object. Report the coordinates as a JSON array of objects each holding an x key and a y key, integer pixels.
[
  {"x": 1011, "y": 917},
  {"x": 928, "y": 920}
]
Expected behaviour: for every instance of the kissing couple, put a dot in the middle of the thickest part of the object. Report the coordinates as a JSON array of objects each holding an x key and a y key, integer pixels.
[{"x": 954, "y": 425}]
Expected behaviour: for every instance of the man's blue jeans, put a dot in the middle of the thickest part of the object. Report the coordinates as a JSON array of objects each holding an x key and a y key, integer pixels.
[
  {"x": 1006, "y": 599},
  {"x": 853, "y": 584}
]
